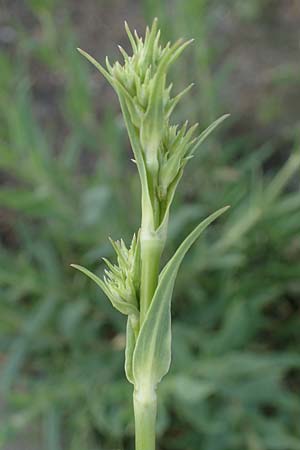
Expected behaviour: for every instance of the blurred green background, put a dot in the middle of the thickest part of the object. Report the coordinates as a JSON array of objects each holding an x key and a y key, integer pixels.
[{"x": 67, "y": 183}]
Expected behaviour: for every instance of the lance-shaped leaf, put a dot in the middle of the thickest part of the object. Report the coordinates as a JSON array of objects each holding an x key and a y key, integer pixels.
[
  {"x": 97, "y": 65},
  {"x": 152, "y": 354},
  {"x": 205, "y": 133},
  {"x": 173, "y": 102}
]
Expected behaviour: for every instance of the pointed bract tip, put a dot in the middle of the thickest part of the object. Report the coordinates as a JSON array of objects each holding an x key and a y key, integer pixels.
[
  {"x": 154, "y": 24},
  {"x": 123, "y": 53}
]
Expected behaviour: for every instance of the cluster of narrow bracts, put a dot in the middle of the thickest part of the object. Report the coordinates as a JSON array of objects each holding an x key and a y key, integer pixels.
[{"x": 161, "y": 149}]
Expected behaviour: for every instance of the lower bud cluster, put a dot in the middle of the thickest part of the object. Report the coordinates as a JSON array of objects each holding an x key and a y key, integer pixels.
[{"x": 122, "y": 279}]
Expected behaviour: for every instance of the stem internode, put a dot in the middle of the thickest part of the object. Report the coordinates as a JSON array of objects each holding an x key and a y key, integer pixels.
[{"x": 145, "y": 408}]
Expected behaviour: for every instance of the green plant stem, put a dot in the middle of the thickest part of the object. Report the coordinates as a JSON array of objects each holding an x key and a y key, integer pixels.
[
  {"x": 151, "y": 250},
  {"x": 145, "y": 407}
]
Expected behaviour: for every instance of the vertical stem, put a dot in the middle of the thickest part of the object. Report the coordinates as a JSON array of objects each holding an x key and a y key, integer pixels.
[
  {"x": 151, "y": 250},
  {"x": 144, "y": 397},
  {"x": 145, "y": 406}
]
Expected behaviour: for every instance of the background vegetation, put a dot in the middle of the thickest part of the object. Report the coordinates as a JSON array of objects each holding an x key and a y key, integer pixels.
[{"x": 67, "y": 183}]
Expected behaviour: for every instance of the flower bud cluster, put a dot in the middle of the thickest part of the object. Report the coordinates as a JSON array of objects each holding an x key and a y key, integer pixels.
[
  {"x": 176, "y": 148},
  {"x": 141, "y": 81},
  {"x": 122, "y": 280},
  {"x": 161, "y": 150}
]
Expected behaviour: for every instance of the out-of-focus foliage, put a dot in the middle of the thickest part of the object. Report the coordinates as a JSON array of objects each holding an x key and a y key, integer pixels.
[{"x": 68, "y": 183}]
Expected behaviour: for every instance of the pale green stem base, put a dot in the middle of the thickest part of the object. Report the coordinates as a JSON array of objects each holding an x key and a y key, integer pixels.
[{"x": 145, "y": 407}]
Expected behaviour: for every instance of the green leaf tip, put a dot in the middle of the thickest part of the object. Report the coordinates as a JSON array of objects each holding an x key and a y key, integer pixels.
[{"x": 97, "y": 65}]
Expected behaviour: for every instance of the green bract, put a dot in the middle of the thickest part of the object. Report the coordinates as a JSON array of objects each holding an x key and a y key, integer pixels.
[{"x": 135, "y": 285}]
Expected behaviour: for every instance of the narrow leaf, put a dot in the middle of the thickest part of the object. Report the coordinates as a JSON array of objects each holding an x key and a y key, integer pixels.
[
  {"x": 131, "y": 38},
  {"x": 208, "y": 131},
  {"x": 97, "y": 65}
]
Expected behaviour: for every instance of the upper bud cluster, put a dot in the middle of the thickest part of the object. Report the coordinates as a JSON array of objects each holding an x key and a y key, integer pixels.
[
  {"x": 160, "y": 149},
  {"x": 141, "y": 85},
  {"x": 141, "y": 80}
]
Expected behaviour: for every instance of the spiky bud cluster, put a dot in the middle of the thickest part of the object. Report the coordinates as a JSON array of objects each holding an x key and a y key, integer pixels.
[
  {"x": 122, "y": 280},
  {"x": 161, "y": 150},
  {"x": 176, "y": 148},
  {"x": 141, "y": 80}
]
